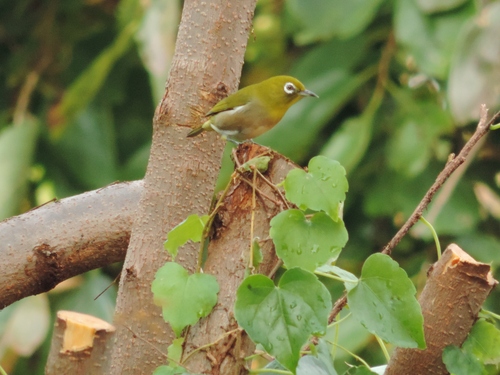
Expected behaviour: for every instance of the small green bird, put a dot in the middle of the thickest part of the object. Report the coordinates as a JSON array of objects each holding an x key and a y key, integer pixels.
[{"x": 255, "y": 109}]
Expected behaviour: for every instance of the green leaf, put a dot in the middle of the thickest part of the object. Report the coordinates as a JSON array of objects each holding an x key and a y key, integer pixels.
[
  {"x": 412, "y": 143},
  {"x": 436, "y": 6},
  {"x": 320, "y": 364},
  {"x": 460, "y": 362},
  {"x": 322, "y": 188},
  {"x": 282, "y": 318},
  {"x": 256, "y": 253},
  {"x": 189, "y": 229},
  {"x": 17, "y": 144},
  {"x": 350, "y": 280},
  {"x": 461, "y": 214},
  {"x": 350, "y": 142},
  {"x": 184, "y": 298},
  {"x": 484, "y": 342},
  {"x": 260, "y": 163},
  {"x": 85, "y": 87},
  {"x": 87, "y": 149},
  {"x": 429, "y": 40},
  {"x": 318, "y": 19},
  {"x": 384, "y": 302},
  {"x": 305, "y": 243},
  {"x": 481, "y": 246}
]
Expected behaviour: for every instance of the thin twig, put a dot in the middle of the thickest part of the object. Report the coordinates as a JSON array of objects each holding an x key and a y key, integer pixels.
[
  {"x": 209, "y": 222},
  {"x": 447, "y": 190},
  {"x": 149, "y": 343},
  {"x": 275, "y": 188},
  {"x": 337, "y": 308},
  {"x": 256, "y": 188},
  {"x": 209, "y": 344},
  {"x": 252, "y": 221},
  {"x": 482, "y": 128}
]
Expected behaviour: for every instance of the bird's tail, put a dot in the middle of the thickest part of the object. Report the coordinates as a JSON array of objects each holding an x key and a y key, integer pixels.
[{"x": 195, "y": 131}]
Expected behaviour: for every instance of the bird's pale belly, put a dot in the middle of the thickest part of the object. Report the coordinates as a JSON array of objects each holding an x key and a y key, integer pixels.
[{"x": 237, "y": 125}]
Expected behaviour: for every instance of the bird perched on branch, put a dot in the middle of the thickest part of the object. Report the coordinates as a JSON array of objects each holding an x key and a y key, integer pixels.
[{"x": 253, "y": 110}]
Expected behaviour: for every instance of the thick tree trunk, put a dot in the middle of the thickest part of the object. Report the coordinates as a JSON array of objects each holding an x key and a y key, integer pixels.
[{"x": 181, "y": 172}]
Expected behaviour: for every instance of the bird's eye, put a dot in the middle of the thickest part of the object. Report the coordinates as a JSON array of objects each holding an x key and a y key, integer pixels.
[{"x": 290, "y": 88}]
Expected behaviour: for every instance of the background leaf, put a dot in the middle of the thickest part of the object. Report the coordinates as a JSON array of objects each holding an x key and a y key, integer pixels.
[
  {"x": 17, "y": 145},
  {"x": 321, "y": 20},
  {"x": 475, "y": 64}
]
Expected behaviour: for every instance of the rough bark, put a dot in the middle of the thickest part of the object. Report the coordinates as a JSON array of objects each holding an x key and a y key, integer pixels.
[
  {"x": 456, "y": 288},
  {"x": 65, "y": 238},
  {"x": 228, "y": 259},
  {"x": 181, "y": 172},
  {"x": 77, "y": 343}
]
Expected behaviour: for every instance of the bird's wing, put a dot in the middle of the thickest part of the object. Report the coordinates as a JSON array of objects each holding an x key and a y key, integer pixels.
[{"x": 231, "y": 102}]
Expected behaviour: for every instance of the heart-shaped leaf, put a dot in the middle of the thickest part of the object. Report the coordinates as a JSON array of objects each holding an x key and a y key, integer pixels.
[
  {"x": 282, "y": 318},
  {"x": 323, "y": 188},
  {"x": 461, "y": 362},
  {"x": 319, "y": 364},
  {"x": 184, "y": 298},
  {"x": 484, "y": 342},
  {"x": 305, "y": 243},
  {"x": 384, "y": 302},
  {"x": 349, "y": 280},
  {"x": 189, "y": 229}
]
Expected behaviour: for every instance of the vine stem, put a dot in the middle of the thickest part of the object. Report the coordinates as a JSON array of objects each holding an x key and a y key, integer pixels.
[
  {"x": 270, "y": 371},
  {"x": 208, "y": 224},
  {"x": 384, "y": 348},
  {"x": 209, "y": 344},
  {"x": 252, "y": 221},
  {"x": 434, "y": 235},
  {"x": 351, "y": 353}
]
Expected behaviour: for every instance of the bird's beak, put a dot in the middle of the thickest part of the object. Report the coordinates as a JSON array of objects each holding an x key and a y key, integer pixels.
[{"x": 308, "y": 93}]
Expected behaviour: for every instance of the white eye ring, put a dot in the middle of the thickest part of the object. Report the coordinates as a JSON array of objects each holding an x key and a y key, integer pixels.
[{"x": 290, "y": 88}]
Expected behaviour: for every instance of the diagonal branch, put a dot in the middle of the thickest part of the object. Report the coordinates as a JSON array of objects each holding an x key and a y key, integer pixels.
[{"x": 482, "y": 129}]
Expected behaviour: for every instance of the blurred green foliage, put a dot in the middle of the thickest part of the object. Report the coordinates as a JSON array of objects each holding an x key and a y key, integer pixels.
[{"x": 400, "y": 84}]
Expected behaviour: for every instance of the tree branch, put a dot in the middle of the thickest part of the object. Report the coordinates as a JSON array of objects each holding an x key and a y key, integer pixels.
[
  {"x": 65, "y": 238},
  {"x": 482, "y": 129}
]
